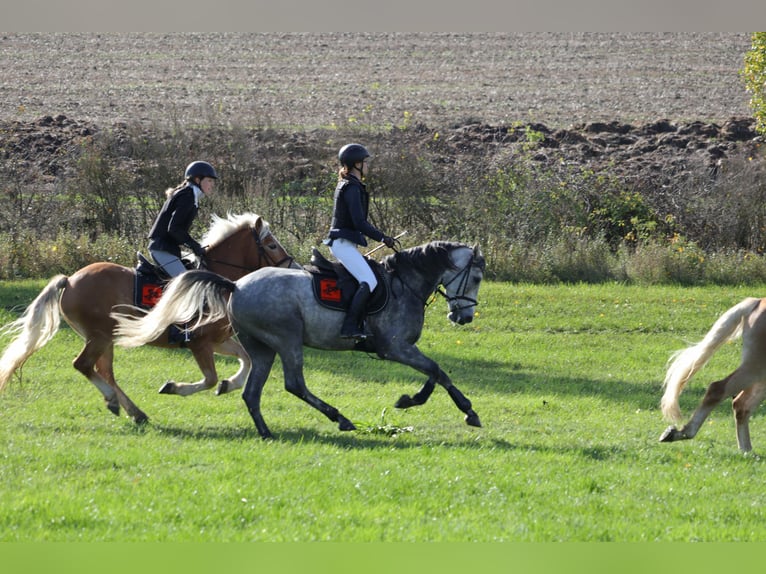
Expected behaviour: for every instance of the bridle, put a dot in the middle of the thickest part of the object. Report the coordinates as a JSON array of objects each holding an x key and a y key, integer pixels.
[
  {"x": 262, "y": 252},
  {"x": 463, "y": 276}
]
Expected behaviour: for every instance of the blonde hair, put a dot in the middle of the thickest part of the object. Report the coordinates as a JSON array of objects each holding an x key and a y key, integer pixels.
[
  {"x": 343, "y": 172},
  {"x": 171, "y": 190}
]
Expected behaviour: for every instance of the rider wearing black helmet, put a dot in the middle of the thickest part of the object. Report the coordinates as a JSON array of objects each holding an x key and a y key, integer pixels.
[
  {"x": 349, "y": 229},
  {"x": 171, "y": 227}
]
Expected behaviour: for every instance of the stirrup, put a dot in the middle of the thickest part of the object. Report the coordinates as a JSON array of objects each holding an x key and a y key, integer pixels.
[
  {"x": 357, "y": 335},
  {"x": 357, "y": 332}
]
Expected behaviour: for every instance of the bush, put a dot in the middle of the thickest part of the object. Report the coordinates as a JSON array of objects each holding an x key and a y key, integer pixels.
[
  {"x": 754, "y": 73},
  {"x": 536, "y": 222}
]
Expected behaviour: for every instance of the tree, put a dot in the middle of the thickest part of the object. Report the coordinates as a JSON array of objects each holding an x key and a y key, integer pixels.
[{"x": 754, "y": 73}]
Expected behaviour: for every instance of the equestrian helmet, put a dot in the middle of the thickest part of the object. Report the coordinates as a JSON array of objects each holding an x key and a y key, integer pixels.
[
  {"x": 200, "y": 169},
  {"x": 351, "y": 154}
]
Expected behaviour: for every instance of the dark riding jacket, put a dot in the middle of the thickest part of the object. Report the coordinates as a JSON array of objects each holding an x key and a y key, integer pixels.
[
  {"x": 172, "y": 225},
  {"x": 350, "y": 208}
]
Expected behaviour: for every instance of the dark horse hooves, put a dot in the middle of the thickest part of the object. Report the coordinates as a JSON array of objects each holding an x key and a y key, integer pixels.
[
  {"x": 223, "y": 387},
  {"x": 405, "y": 402},
  {"x": 345, "y": 425},
  {"x": 168, "y": 388},
  {"x": 472, "y": 419},
  {"x": 672, "y": 434}
]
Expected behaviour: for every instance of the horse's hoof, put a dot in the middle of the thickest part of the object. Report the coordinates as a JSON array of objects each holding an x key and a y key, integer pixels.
[
  {"x": 671, "y": 434},
  {"x": 114, "y": 409},
  {"x": 345, "y": 425},
  {"x": 169, "y": 388},
  {"x": 472, "y": 419},
  {"x": 141, "y": 419},
  {"x": 404, "y": 402},
  {"x": 223, "y": 388}
]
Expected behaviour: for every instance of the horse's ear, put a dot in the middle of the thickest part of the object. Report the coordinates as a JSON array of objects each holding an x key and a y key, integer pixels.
[{"x": 476, "y": 249}]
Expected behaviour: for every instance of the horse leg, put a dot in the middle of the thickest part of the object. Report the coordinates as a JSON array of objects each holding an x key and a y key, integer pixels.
[
  {"x": 716, "y": 392},
  {"x": 96, "y": 358},
  {"x": 419, "y": 398},
  {"x": 412, "y": 357},
  {"x": 202, "y": 350},
  {"x": 292, "y": 366},
  {"x": 262, "y": 358},
  {"x": 105, "y": 368},
  {"x": 233, "y": 348},
  {"x": 743, "y": 405},
  {"x": 85, "y": 363}
]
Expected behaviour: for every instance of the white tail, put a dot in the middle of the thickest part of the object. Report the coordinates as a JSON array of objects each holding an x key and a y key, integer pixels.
[
  {"x": 685, "y": 363},
  {"x": 196, "y": 297},
  {"x": 33, "y": 329}
]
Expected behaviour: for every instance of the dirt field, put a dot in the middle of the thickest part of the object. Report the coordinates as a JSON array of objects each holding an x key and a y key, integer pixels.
[
  {"x": 636, "y": 103},
  {"x": 316, "y": 80}
]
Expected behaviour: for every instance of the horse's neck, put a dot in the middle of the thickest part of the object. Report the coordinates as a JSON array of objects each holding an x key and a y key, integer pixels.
[
  {"x": 228, "y": 258},
  {"x": 419, "y": 279}
]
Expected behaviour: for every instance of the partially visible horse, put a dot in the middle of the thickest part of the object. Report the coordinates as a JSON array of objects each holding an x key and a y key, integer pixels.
[
  {"x": 746, "y": 385},
  {"x": 274, "y": 311},
  {"x": 237, "y": 245}
]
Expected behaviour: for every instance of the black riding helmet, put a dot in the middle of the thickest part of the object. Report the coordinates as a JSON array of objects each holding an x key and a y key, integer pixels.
[
  {"x": 351, "y": 154},
  {"x": 200, "y": 169}
]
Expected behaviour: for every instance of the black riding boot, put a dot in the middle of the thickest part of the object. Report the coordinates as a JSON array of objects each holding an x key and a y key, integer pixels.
[{"x": 353, "y": 324}]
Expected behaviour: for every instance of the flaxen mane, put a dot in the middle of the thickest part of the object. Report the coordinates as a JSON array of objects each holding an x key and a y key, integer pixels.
[{"x": 222, "y": 228}]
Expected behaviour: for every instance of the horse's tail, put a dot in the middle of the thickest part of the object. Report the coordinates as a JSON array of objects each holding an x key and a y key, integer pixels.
[
  {"x": 194, "y": 298},
  {"x": 685, "y": 363},
  {"x": 33, "y": 329}
]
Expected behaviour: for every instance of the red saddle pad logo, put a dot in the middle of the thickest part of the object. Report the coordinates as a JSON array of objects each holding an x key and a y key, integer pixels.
[
  {"x": 150, "y": 295},
  {"x": 328, "y": 290}
]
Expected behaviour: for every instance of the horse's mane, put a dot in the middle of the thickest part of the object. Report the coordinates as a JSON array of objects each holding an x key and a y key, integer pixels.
[
  {"x": 222, "y": 228},
  {"x": 429, "y": 258}
]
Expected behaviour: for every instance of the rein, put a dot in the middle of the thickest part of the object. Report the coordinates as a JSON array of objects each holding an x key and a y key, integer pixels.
[{"x": 261, "y": 251}]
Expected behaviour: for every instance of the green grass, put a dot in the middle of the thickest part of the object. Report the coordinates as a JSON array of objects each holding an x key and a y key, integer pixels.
[{"x": 566, "y": 380}]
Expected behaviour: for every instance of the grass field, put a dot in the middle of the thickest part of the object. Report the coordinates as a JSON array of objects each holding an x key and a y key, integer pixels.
[{"x": 567, "y": 382}]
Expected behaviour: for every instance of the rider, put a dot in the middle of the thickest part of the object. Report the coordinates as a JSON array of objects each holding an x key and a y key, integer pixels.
[
  {"x": 171, "y": 227},
  {"x": 348, "y": 230}
]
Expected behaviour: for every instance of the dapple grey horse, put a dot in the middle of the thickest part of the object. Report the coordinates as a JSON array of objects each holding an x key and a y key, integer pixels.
[{"x": 273, "y": 311}]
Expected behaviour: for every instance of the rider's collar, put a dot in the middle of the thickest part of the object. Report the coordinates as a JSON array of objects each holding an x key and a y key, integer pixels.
[{"x": 197, "y": 194}]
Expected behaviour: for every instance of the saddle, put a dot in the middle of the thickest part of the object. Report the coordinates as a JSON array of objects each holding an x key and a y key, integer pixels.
[
  {"x": 150, "y": 283},
  {"x": 334, "y": 287},
  {"x": 149, "y": 286}
]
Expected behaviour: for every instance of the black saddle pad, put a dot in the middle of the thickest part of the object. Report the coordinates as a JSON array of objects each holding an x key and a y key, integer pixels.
[
  {"x": 334, "y": 287},
  {"x": 149, "y": 284}
]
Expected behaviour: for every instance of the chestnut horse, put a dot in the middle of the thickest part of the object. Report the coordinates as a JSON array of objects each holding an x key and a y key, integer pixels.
[
  {"x": 747, "y": 384},
  {"x": 237, "y": 245}
]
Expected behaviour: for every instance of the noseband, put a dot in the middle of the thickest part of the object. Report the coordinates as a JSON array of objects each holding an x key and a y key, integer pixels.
[{"x": 463, "y": 275}]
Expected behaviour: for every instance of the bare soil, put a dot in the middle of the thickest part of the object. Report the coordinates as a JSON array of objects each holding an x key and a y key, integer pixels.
[{"x": 634, "y": 103}]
